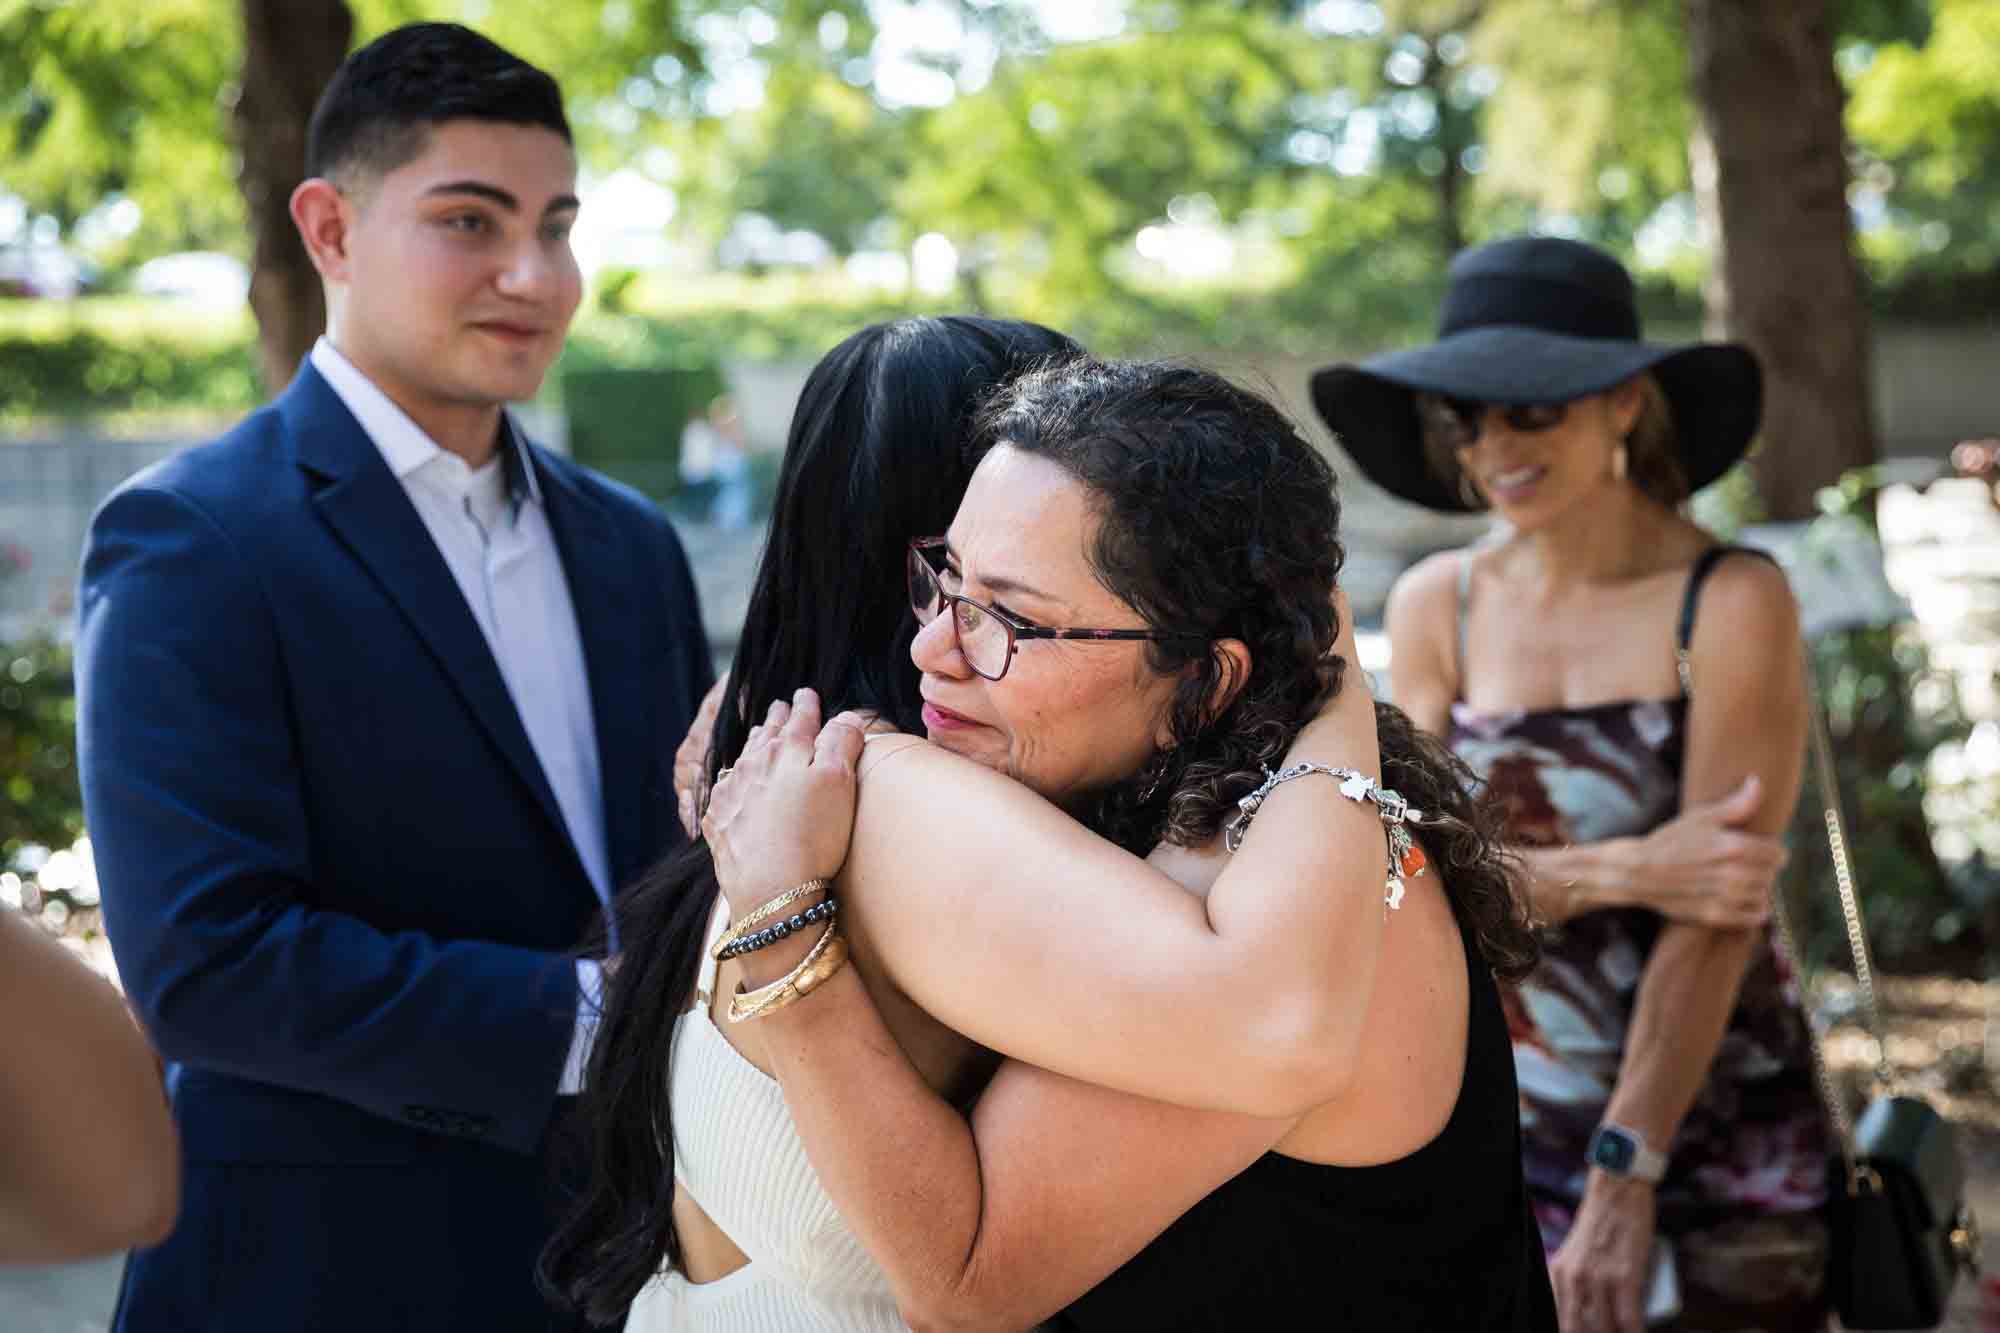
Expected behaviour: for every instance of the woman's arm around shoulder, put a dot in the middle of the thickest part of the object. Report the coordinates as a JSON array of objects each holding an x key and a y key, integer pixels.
[
  {"x": 999, "y": 1223},
  {"x": 989, "y": 1225},
  {"x": 1012, "y": 924}
]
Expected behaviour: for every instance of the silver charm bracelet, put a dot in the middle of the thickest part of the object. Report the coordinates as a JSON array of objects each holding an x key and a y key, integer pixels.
[{"x": 1406, "y": 859}]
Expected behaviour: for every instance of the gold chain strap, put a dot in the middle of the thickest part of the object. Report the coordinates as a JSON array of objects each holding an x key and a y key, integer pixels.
[{"x": 1821, "y": 746}]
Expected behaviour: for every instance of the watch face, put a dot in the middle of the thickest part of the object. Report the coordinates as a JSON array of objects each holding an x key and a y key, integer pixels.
[{"x": 1612, "y": 1151}]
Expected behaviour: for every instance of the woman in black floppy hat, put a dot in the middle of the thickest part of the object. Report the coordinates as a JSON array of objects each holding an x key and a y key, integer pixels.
[{"x": 1645, "y": 755}]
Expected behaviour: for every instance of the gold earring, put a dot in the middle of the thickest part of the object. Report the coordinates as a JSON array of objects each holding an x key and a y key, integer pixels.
[{"x": 1620, "y": 463}]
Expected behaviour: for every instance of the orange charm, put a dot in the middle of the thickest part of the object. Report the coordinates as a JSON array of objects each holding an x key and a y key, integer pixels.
[{"x": 1413, "y": 862}]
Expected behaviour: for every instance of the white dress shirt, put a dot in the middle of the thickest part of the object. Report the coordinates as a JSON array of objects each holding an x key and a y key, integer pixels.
[{"x": 490, "y": 526}]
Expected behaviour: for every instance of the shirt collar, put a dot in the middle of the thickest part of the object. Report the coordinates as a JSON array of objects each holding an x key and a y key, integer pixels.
[{"x": 404, "y": 445}]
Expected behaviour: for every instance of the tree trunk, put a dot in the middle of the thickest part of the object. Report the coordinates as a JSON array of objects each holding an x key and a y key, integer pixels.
[
  {"x": 290, "y": 50},
  {"x": 1770, "y": 103},
  {"x": 1451, "y": 176}
]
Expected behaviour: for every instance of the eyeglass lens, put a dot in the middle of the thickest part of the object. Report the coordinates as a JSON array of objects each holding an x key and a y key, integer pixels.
[{"x": 982, "y": 638}]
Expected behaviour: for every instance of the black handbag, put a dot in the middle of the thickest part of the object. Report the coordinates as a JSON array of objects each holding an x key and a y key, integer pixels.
[{"x": 1901, "y": 1231}]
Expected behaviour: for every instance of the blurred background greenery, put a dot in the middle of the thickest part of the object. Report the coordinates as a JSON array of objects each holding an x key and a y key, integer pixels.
[
  {"x": 1142, "y": 173},
  {"x": 1268, "y": 184}
]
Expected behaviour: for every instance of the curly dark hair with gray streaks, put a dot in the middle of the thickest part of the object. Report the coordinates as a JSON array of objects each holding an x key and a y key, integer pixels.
[{"x": 1216, "y": 519}]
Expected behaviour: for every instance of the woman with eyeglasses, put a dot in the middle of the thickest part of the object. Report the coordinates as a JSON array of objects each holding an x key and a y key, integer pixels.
[
  {"x": 1633, "y": 694},
  {"x": 1226, "y": 1070}
]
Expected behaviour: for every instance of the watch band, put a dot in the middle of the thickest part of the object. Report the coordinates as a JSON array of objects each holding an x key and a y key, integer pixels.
[{"x": 1625, "y": 1152}]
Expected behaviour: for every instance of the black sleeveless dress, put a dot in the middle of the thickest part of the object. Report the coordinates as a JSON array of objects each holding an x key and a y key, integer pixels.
[{"x": 1440, "y": 1239}]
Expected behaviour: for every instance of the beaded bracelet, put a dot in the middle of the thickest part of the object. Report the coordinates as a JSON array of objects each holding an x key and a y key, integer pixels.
[
  {"x": 1406, "y": 859},
  {"x": 825, "y": 958},
  {"x": 783, "y": 928},
  {"x": 764, "y": 912}
]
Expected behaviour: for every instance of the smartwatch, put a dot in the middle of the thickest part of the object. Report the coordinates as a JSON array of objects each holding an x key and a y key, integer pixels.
[{"x": 1621, "y": 1152}]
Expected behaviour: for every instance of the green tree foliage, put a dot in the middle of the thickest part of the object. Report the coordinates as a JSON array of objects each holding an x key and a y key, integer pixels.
[
  {"x": 1339, "y": 149},
  {"x": 816, "y": 153},
  {"x": 1066, "y": 156},
  {"x": 131, "y": 97},
  {"x": 1362, "y": 142},
  {"x": 1926, "y": 105},
  {"x": 39, "y": 800},
  {"x": 121, "y": 97},
  {"x": 1591, "y": 118}
]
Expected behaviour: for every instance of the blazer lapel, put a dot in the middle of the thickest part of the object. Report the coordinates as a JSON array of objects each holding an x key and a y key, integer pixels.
[
  {"x": 605, "y": 590},
  {"x": 364, "y": 504}
]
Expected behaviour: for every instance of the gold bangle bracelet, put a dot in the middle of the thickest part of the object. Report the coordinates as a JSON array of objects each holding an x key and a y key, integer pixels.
[
  {"x": 826, "y": 957},
  {"x": 764, "y": 912}
]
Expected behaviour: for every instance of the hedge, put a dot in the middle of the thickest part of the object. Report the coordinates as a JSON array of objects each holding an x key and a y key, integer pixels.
[
  {"x": 92, "y": 358},
  {"x": 103, "y": 356}
]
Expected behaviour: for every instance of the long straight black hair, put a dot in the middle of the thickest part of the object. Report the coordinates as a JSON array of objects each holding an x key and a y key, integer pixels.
[{"x": 877, "y": 455}]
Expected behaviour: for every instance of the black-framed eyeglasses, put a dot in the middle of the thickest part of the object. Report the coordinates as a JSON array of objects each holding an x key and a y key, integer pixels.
[
  {"x": 1456, "y": 423},
  {"x": 987, "y": 637}
]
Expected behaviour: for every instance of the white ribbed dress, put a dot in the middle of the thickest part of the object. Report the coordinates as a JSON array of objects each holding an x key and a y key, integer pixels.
[{"x": 738, "y": 1155}]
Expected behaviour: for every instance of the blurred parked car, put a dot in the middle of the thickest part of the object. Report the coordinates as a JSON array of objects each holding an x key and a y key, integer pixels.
[
  {"x": 202, "y": 276},
  {"x": 44, "y": 270}
]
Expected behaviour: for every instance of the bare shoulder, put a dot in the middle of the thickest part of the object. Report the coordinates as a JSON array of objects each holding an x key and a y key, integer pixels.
[
  {"x": 919, "y": 767},
  {"x": 1747, "y": 612},
  {"x": 1421, "y": 618},
  {"x": 1427, "y": 592},
  {"x": 879, "y": 746}
]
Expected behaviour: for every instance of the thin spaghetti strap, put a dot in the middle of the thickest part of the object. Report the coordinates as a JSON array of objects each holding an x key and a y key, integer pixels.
[
  {"x": 1464, "y": 613},
  {"x": 1704, "y": 565}
]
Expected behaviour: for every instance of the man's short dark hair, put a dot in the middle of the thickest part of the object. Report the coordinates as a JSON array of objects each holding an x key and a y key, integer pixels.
[{"x": 384, "y": 99}]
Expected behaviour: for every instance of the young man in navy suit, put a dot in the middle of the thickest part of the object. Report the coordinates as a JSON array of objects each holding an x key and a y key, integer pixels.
[{"x": 378, "y": 704}]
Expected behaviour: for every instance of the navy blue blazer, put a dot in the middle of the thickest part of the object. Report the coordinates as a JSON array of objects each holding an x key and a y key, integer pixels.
[{"x": 336, "y": 881}]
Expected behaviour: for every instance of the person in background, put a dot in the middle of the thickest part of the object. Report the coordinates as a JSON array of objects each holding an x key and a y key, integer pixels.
[
  {"x": 92, "y": 1164},
  {"x": 714, "y": 458},
  {"x": 1979, "y": 459},
  {"x": 1633, "y": 693},
  {"x": 377, "y": 704}
]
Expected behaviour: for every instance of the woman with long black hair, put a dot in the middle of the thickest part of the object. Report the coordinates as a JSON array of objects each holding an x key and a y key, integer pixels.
[{"x": 876, "y": 451}]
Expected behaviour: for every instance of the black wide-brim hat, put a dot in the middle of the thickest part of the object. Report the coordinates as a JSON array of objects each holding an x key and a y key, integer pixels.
[{"x": 1530, "y": 320}]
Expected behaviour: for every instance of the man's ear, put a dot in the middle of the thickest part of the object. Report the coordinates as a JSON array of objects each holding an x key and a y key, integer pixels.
[{"x": 323, "y": 216}]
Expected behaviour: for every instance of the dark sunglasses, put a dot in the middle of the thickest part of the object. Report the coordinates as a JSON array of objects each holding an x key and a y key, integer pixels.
[
  {"x": 988, "y": 637},
  {"x": 1456, "y": 423}
]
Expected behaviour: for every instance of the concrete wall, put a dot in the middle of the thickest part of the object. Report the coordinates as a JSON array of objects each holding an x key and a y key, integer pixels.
[
  {"x": 1936, "y": 386},
  {"x": 48, "y": 491}
]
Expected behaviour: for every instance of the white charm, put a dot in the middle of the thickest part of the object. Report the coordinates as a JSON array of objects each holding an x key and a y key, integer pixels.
[
  {"x": 1357, "y": 787},
  {"x": 1395, "y": 896}
]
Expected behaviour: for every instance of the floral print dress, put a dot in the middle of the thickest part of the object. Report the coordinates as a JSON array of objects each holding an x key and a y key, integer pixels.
[{"x": 1747, "y": 1168}]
